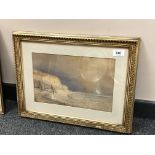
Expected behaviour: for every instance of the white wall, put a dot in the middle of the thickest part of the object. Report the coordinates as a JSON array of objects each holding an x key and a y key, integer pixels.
[{"x": 145, "y": 29}]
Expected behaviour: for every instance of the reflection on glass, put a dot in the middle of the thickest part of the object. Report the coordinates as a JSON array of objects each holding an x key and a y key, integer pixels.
[{"x": 83, "y": 82}]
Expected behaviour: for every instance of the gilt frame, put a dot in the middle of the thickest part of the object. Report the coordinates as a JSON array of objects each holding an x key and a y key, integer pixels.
[
  {"x": 132, "y": 44},
  {"x": 1, "y": 97}
]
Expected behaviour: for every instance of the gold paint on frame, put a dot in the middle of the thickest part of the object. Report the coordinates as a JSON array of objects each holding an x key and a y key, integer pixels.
[{"x": 131, "y": 44}]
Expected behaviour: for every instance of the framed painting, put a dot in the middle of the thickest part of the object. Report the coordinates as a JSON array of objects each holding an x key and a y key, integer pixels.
[
  {"x": 1, "y": 98},
  {"x": 77, "y": 79}
]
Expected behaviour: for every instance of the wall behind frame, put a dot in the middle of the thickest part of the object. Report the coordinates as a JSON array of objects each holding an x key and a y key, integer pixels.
[{"x": 145, "y": 29}]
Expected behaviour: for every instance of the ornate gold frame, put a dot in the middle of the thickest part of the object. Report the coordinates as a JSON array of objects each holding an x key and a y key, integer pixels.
[
  {"x": 1, "y": 97},
  {"x": 132, "y": 44}
]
